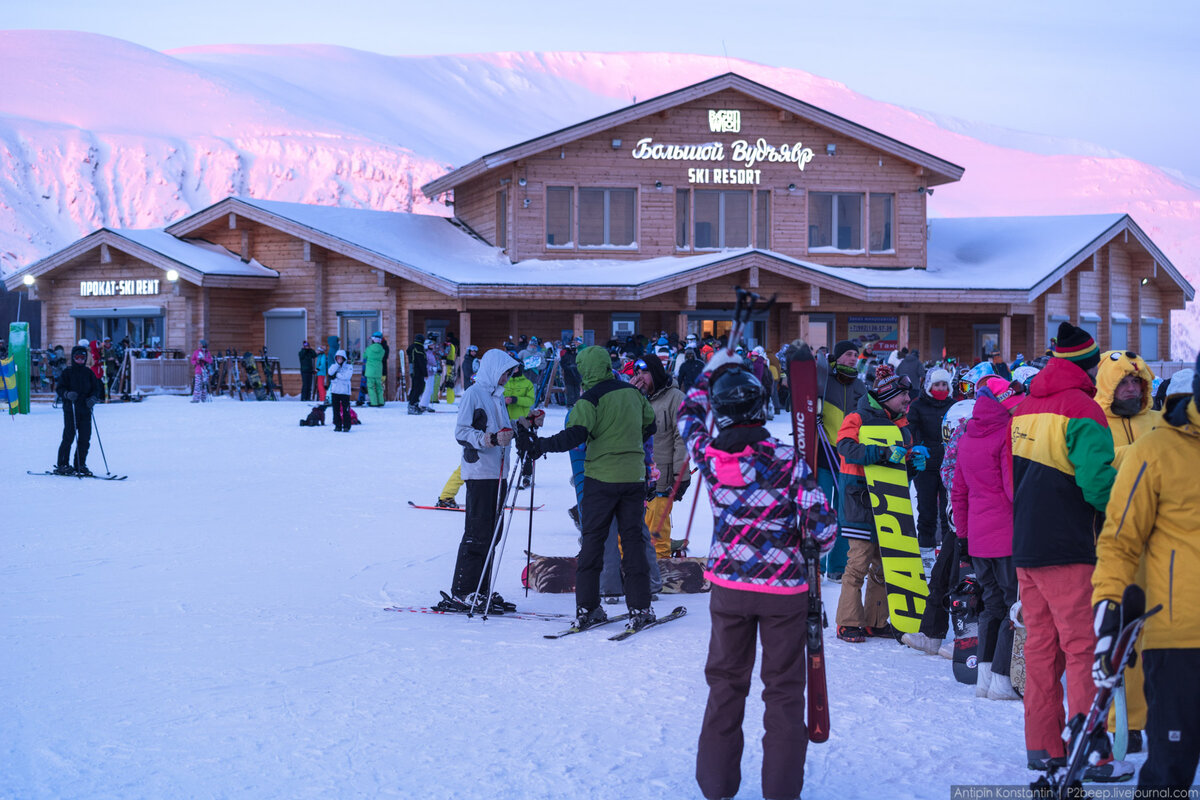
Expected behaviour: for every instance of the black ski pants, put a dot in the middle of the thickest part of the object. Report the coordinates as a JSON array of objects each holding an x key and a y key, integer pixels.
[
  {"x": 935, "y": 622},
  {"x": 341, "y": 411},
  {"x": 600, "y": 504},
  {"x": 417, "y": 389},
  {"x": 998, "y": 580},
  {"x": 77, "y": 424},
  {"x": 1172, "y": 720},
  {"x": 479, "y": 528},
  {"x": 306, "y": 385},
  {"x": 738, "y": 619},
  {"x": 932, "y": 499}
]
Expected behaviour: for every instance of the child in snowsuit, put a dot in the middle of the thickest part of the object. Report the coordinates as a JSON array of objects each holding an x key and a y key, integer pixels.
[{"x": 765, "y": 501}]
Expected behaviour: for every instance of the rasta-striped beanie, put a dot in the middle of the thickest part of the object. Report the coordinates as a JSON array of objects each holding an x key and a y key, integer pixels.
[{"x": 1076, "y": 345}]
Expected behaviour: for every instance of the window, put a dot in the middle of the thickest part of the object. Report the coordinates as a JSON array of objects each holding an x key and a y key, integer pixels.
[
  {"x": 142, "y": 325},
  {"x": 763, "y": 220},
  {"x": 881, "y": 223},
  {"x": 722, "y": 219},
  {"x": 1149, "y": 346},
  {"x": 606, "y": 217},
  {"x": 559, "y": 200},
  {"x": 682, "y": 201},
  {"x": 285, "y": 330},
  {"x": 834, "y": 221},
  {"x": 502, "y": 218},
  {"x": 355, "y": 329},
  {"x": 1119, "y": 334}
]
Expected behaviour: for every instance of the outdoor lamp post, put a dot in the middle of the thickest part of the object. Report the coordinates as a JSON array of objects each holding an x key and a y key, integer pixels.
[{"x": 28, "y": 281}]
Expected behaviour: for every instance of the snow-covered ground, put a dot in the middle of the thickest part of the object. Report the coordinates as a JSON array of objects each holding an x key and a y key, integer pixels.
[{"x": 214, "y": 627}]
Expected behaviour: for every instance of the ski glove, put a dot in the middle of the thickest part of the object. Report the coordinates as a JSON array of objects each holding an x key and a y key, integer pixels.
[
  {"x": 528, "y": 444},
  {"x": 896, "y": 454},
  {"x": 72, "y": 396},
  {"x": 91, "y": 401},
  {"x": 1108, "y": 625},
  {"x": 920, "y": 456},
  {"x": 502, "y": 437},
  {"x": 683, "y": 487}
]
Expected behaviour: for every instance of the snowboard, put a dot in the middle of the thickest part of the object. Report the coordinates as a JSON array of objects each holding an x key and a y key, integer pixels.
[
  {"x": 254, "y": 377},
  {"x": 464, "y": 510},
  {"x": 1016, "y": 670},
  {"x": 965, "y": 602},
  {"x": 891, "y": 506}
]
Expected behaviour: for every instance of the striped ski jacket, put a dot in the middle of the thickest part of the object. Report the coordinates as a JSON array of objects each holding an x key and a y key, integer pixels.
[{"x": 764, "y": 498}]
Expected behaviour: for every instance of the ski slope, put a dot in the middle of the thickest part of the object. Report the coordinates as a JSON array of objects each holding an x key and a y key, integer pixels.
[{"x": 214, "y": 627}]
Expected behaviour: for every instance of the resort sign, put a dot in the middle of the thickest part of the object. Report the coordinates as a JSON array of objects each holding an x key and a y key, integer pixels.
[{"x": 117, "y": 288}]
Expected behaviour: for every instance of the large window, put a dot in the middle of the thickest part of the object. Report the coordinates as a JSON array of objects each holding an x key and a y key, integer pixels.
[
  {"x": 355, "y": 329},
  {"x": 559, "y": 200},
  {"x": 143, "y": 328},
  {"x": 722, "y": 219},
  {"x": 502, "y": 218},
  {"x": 881, "y": 223},
  {"x": 835, "y": 222},
  {"x": 607, "y": 217}
]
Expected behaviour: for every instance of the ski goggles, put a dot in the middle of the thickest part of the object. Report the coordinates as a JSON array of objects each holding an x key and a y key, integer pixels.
[{"x": 641, "y": 364}]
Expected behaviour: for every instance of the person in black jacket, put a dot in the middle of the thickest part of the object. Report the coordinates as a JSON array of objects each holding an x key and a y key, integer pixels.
[
  {"x": 308, "y": 358},
  {"x": 418, "y": 368},
  {"x": 925, "y": 419},
  {"x": 78, "y": 389}
]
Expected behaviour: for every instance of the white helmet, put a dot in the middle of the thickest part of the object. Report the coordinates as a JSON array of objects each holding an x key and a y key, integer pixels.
[
  {"x": 956, "y": 415},
  {"x": 83, "y": 343}
]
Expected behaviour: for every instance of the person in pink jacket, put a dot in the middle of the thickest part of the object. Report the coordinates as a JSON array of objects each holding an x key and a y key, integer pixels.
[
  {"x": 982, "y": 497},
  {"x": 200, "y": 359}
]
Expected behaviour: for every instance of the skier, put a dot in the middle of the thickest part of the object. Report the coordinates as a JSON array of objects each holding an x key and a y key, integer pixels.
[
  {"x": 1152, "y": 519},
  {"x": 765, "y": 502},
  {"x": 433, "y": 367},
  {"x": 450, "y": 357},
  {"x": 308, "y": 358},
  {"x": 419, "y": 368},
  {"x": 670, "y": 449},
  {"x": 341, "y": 374},
  {"x": 200, "y": 360},
  {"x": 484, "y": 430},
  {"x": 470, "y": 360},
  {"x": 614, "y": 419},
  {"x": 373, "y": 360},
  {"x": 841, "y": 391},
  {"x": 1062, "y": 477},
  {"x": 885, "y": 404},
  {"x": 983, "y": 516},
  {"x": 78, "y": 390}
]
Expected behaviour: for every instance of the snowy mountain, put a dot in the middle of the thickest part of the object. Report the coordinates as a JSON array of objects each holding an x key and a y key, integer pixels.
[{"x": 97, "y": 131}]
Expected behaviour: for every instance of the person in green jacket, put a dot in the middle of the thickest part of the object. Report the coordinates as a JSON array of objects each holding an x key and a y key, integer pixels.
[
  {"x": 615, "y": 420},
  {"x": 373, "y": 358},
  {"x": 518, "y": 395}
]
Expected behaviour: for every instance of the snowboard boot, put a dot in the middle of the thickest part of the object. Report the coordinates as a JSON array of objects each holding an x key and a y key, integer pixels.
[
  {"x": 1001, "y": 688},
  {"x": 63, "y": 469},
  {"x": 947, "y": 649},
  {"x": 1107, "y": 769},
  {"x": 851, "y": 633},
  {"x": 922, "y": 643},
  {"x": 446, "y": 503},
  {"x": 885, "y": 632},
  {"x": 413, "y": 409},
  {"x": 983, "y": 678},
  {"x": 1041, "y": 760},
  {"x": 640, "y": 618},
  {"x": 586, "y": 619}
]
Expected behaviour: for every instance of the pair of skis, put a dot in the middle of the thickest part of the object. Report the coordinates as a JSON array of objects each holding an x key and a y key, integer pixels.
[
  {"x": 106, "y": 477},
  {"x": 625, "y": 634}
]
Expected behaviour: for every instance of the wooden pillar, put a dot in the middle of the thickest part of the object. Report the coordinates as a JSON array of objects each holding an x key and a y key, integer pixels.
[
  {"x": 681, "y": 322},
  {"x": 577, "y": 325},
  {"x": 802, "y": 327},
  {"x": 318, "y": 326},
  {"x": 902, "y": 331},
  {"x": 513, "y": 323},
  {"x": 205, "y": 299},
  {"x": 464, "y": 331},
  {"x": 1006, "y": 337}
]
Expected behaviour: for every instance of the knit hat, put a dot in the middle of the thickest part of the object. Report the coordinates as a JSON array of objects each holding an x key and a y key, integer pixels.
[
  {"x": 937, "y": 375},
  {"x": 1008, "y": 393},
  {"x": 841, "y": 348},
  {"x": 1076, "y": 345},
  {"x": 657, "y": 372},
  {"x": 888, "y": 384}
]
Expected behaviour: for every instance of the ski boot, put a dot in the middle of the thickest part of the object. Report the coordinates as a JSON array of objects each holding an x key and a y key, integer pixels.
[
  {"x": 63, "y": 469},
  {"x": 414, "y": 409},
  {"x": 452, "y": 605},
  {"x": 498, "y": 605},
  {"x": 447, "y": 503},
  {"x": 885, "y": 632},
  {"x": 640, "y": 618},
  {"x": 851, "y": 633},
  {"x": 586, "y": 619},
  {"x": 82, "y": 471}
]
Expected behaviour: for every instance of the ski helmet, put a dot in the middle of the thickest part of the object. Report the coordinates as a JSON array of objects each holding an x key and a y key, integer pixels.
[
  {"x": 77, "y": 351},
  {"x": 956, "y": 414},
  {"x": 974, "y": 375},
  {"x": 1025, "y": 374},
  {"x": 737, "y": 398}
]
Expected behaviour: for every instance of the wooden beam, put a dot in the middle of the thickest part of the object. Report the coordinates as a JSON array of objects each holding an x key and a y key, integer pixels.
[
  {"x": 308, "y": 251},
  {"x": 232, "y": 221},
  {"x": 464, "y": 330},
  {"x": 246, "y": 245},
  {"x": 1006, "y": 337},
  {"x": 319, "y": 299},
  {"x": 105, "y": 256},
  {"x": 691, "y": 295},
  {"x": 753, "y": 277},
  {"x": 814, "y": 297},
  {"x": 902, "y": 331},
  {"x": 577, "y": 325}
]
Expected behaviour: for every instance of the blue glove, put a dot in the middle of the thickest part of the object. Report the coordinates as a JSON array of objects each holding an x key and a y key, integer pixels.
[
  {"x": 920, "y": 455},
  {"x": 897, "y": 454}
]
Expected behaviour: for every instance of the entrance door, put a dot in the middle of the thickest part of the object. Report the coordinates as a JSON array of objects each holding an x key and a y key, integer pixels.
[
  {"x": 987, "y": 340},
  {"x": 719, "y": 323}
]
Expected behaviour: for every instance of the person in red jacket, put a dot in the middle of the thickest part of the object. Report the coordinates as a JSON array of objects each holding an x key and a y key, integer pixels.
[{"x": 983, "y": 510}]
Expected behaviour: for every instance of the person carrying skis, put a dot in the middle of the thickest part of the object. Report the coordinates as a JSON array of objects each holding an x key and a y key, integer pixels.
[
  {"x": 78, "y": 390},
  {"x": 200, "y": 360},
  {"x": 765, "y": 503},
  {"x": 1062, "y": 477},
  {"x": 484, "y": 430},
  {"x": 885, "y": 404},
  {"x": 1151, "y": 521},
  {"x": 419, "y": 368},
  {"x": 341, "y": 377},
  {"x": 614, "y": 419},
  {"x": 373, "y": 360}
]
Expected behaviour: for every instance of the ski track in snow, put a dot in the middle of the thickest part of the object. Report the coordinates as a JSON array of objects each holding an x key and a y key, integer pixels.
[{"x": 213, "y": 627}]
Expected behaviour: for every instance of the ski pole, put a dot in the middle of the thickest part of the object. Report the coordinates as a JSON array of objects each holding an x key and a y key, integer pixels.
[
  {"x": 497, "y": 535},
  {"x": 529, "y": 541},
  {"x": 92, "y": 414}
]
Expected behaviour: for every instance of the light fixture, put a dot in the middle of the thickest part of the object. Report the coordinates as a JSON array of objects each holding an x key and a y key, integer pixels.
[
  {"x": 172, "y": 275},
  {"x": 526, "y": 203},
  {"x": 791, "y": 187},
  {"x": 520, "y": 182},
  {"x": 616, "y": 144},
  {"x": 831, "y": 149},
  {"x": 27, "y": 280},
  {"x": 658, "y": 185},
  {"x": 1144, "y": 280}
]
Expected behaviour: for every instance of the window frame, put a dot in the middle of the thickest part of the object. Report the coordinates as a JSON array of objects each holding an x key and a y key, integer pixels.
[
  {"x": 606, "y": 221},
  {"x": 833, "y": 222},
  {"x": 891, "y": 223},
  {"x": 569, "y": 191},
  {"x": 722, "y": 219}
]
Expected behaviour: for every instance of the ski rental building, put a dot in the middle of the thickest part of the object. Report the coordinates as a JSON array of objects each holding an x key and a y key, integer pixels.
[{"x": 640, "y": 220}]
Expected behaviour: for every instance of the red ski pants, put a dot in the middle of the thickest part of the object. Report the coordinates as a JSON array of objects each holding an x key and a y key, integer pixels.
[{"x": 1056, "y": 603}]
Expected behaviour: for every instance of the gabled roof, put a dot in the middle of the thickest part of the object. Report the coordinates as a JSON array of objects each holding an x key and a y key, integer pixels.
[
  {"x": 940, "y": 170},
  {"x": 197, "y": 261}
]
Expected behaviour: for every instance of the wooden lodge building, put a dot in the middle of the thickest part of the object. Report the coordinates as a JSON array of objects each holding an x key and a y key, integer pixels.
[{"x": 639, "y": 220}]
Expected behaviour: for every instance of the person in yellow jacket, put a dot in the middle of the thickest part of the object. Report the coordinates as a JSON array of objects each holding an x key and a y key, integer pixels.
[
  {"x": 1123, "y": 382},
  {"x": 1152, "y": 515}
]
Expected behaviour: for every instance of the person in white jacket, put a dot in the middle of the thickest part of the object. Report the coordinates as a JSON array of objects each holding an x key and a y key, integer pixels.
[
  {"x": 483, "y": 428},
  {"x": 341, "y": 374}
]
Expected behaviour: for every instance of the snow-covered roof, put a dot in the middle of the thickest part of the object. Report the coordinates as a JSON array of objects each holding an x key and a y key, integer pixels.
[{"x": 204, "y": 257}]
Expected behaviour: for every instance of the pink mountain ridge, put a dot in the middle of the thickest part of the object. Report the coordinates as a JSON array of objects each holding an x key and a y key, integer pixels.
[{"x": 96, "y": 131}]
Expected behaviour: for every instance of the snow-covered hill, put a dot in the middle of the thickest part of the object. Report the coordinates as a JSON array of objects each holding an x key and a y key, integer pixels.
[{"x": 97, "y": 131}]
